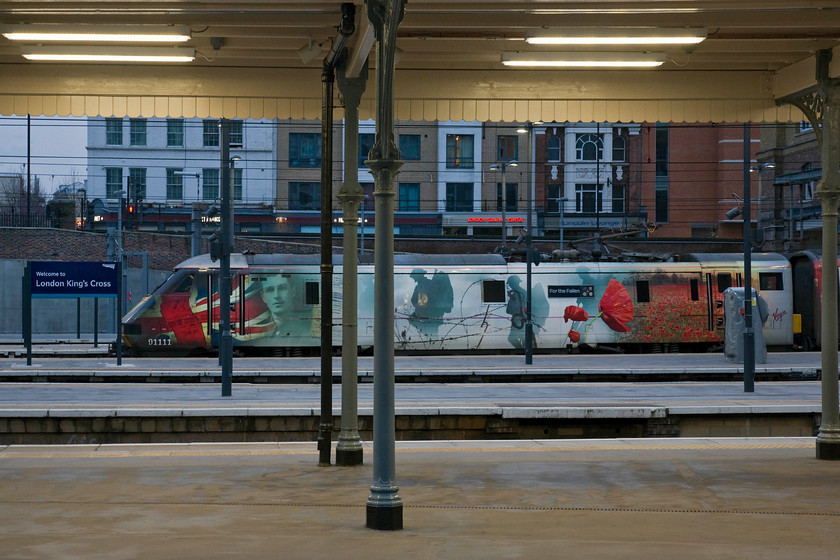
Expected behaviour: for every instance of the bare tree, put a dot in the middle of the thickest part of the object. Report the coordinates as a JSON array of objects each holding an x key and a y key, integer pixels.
[{"x": 13, "y": 196}]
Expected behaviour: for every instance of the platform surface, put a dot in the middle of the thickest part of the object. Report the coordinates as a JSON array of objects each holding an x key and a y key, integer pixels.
[{"x": 736, "y": 499}]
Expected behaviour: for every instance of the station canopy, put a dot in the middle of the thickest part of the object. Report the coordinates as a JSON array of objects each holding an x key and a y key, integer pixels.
[{"x": 264, "y": 59}]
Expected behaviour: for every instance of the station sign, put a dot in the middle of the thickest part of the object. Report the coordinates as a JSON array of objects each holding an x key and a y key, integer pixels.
[{"x": 53, "y": 279}]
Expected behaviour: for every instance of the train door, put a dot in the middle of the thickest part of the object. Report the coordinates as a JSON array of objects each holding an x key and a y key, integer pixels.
[
  {"x": 717, "y": 282},
  {"x": 774, "y": 286},
  {"x": 211, "y": 308},
  {"x": 237, "y": 310},
  {"x": 240, "y": 283}
]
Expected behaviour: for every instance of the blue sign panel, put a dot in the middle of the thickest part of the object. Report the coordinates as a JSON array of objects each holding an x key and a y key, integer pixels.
[{"x": 52, "y": 279}]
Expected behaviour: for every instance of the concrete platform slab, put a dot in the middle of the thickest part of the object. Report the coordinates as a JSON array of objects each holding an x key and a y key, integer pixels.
[{"x": 721, "y": 498}]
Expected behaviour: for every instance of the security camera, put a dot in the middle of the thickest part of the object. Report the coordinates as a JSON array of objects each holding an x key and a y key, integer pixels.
[
  {"x": 211, "y": 212},
  {"x": 732, "y": 214}
]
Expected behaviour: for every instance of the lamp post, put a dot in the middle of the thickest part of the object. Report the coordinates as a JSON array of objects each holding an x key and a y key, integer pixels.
[
  {"x": 749, "y": 335},
  {"x": 225, "y": 282},
  {"x": 503, "y": 168},
  {"x": 758, "y": 206},
  {"x": 83, "y": 207},
  {"x": 561, "y": 205}
]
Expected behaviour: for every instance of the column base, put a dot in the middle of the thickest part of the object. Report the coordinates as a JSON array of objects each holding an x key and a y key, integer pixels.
[
  {"x": 384, "y": 518},
  {"x": 348, "y": 457},
  {"x": 828, "y": 451}
]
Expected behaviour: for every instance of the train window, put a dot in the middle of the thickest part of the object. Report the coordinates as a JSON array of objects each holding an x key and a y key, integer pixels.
[
  {"x": 695, "y": 290},
  {"x": 493, "y": 291},
  {"x": 724, "y": 281},
  {"x": 770, "y": 281},
  {"x": 185, "y": 285},
  {"x": 312, "y": 293},
  {"x": 642, "y": 291}
]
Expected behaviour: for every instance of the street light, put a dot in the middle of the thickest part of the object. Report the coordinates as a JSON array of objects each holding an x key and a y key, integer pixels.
[
  {"x": 226, "y": 163},
  {"x": 503, "y": 168},
  {"x": 529, "y": 234},
  {"x": 758, "y": 169},
  {"x": 749, "y": 335},
  {"x": 561, "y": 206}
]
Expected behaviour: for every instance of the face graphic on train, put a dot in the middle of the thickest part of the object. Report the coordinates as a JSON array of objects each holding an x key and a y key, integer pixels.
[{"x": 278, "y": 294}]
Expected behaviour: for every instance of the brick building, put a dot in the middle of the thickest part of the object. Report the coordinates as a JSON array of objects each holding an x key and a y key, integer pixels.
[{"x": 647, "y": 180}]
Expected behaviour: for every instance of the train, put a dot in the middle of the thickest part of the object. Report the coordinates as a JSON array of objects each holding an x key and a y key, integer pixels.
[{"x": 448, "y": 303}]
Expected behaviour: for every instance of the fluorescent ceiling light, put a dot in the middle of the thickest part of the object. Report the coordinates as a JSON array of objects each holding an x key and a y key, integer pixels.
[
  {"x": 108, "y": 54},
  {"x": 615, "y": 36},
  {"x": 98, "y": 33},
  {"x": 583, "y": 60}
]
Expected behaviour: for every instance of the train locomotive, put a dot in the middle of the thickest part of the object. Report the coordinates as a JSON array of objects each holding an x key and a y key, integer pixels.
[{"x": 464, "y": 303}]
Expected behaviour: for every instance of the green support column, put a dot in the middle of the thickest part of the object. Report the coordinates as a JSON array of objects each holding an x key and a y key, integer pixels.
[
  {"x": 384, "y": 505},
  {"x": 349, "y": 449},
  {"x": 828, "y": 439},
  {"x": 821, "y": 106}
]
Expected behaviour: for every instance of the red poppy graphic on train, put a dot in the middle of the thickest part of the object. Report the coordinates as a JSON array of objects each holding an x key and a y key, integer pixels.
[
  {"x": 575, "y": 313},
  {"x": 616, "y": 307},
  {"x": 574, "y": 336}
]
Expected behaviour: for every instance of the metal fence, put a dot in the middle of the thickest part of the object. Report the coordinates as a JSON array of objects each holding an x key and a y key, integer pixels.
[{"x": 13, "y": 219}]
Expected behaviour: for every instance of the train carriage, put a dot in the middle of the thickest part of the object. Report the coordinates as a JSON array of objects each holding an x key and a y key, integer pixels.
[{"x": 461, "y": 303}]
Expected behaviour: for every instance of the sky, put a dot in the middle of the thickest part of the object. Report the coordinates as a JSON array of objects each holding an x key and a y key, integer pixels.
[{"x": 57, "y": 149}]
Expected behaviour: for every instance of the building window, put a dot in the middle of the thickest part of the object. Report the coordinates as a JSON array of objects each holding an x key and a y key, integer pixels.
[
  {"x": 113, "y": 181},
  {"x": 174, "y": 132},
  {"x": 661, "y": 214},
  {"x": 304, "y": 195},
  {"x": 237, "y": 183},
  {"x": 410, "y": 147},
  {"x": 618, "y": 198},
  {"x": 618, "y": 149},
  {"x": 511, "y": 197},
  {"x": 305, "y": 149},
  {"x": 237, "y": 139},
  {"x": 137, "y": 134},
  {"x": 368, "y": 203},
  {"x": 137, "y": 183},
  {"x": 805, "y": 126},
  {"x": 113, "y": 132},
  {"x": 662, "y": 150},
  {"x": 807, "y": 186},
  {"x": 211, "y": 134},
  {"x": 554, "y": 193},
  {"x": 174, "y": 185},
  {"x": 366, "y": 142},
  {"x": 589, "y": 147},
  {"x": 553, "y": 145},
  {"x": 508, "y": 148},
  {"x": 210, "y": 183},
  {"x": 409, "y": 197},
  {"x": 459, "y": 197},
  {"x": 586, "y": 196},
  {"x": 459, "y": 151}
]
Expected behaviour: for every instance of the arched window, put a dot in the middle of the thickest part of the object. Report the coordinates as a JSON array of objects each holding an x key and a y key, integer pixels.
[
  {"x": 589, "y": 147},
  {"x": 553, "y": 148}
]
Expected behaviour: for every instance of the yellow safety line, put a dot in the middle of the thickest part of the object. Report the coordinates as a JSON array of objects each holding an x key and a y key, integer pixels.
[{"x": 13, "y": 454}]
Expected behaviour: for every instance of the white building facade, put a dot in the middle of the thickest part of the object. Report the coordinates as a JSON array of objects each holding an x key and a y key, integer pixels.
[{"x": 175, "y": 162}]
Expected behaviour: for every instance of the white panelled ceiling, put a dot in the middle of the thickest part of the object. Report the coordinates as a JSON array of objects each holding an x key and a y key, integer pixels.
[{"x": 248, "y": 61}]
